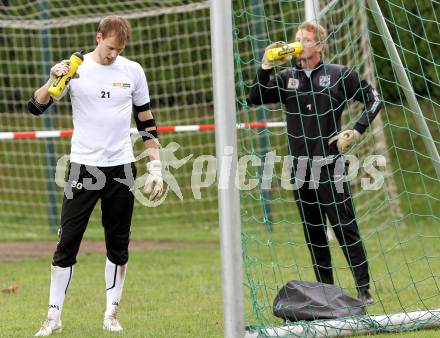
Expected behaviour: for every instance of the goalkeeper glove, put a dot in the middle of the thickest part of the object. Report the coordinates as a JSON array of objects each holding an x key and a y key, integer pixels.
[
  {"x": 345, "y": 139},
  {"x": 266, "y": 64},
  {"x": 60, "y": 69},
  {"x": 154, "y": 183}
]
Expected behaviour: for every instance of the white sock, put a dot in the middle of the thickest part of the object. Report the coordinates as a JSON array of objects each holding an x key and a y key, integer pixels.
[
  {"x": 59, "y": 282},
  {"x": 114, "y": 282}
]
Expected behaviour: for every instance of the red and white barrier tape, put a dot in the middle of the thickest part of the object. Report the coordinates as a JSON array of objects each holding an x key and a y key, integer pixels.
[{"x": 162, "y": 129}]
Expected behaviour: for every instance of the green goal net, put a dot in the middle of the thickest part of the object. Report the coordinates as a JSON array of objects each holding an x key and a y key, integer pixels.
[
  {"x": 171, "y": 40},
  {"x": 398, "y": 219}
]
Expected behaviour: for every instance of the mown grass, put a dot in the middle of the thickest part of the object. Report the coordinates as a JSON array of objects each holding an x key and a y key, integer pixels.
[
  {"x": 168, "y": 293},
  {"x": 177, "y": 293}
]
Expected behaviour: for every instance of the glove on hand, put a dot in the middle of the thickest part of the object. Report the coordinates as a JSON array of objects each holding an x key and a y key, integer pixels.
[
  {"x": 154, "y": 183},
  {"x": 345, "y": 139},
  {"x": 266, "y": 64},
  {"x": 60, "y": 69}
]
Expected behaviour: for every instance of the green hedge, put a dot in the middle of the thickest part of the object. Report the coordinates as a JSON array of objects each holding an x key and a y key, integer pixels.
[{"x": 414, "y": 26}]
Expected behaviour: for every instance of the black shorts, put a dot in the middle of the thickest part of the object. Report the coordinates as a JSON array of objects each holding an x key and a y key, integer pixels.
[{"x": 85, "y": 185}]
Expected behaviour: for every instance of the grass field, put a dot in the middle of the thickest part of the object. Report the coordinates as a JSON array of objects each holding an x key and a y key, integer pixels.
[
  {"x": 168, "y": 293},
  {"x": 177, "y": 292}
]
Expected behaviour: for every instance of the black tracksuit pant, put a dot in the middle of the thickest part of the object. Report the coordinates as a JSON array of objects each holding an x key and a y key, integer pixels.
[
  {"x": 84, "y": 187},
  {"x": 314, "y": 205}
]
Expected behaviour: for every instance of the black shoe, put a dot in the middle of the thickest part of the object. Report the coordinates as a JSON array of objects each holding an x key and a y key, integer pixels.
[{"x": 365, "y": 296}]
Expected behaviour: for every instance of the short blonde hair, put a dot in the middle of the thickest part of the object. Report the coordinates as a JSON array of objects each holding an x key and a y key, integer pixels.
[
  {"x": 115, "y": 25},
  {"x": 320, "y": 32}
]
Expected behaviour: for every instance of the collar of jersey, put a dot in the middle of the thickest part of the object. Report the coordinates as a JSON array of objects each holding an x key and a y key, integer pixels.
[{"x": 298, "y": 66}]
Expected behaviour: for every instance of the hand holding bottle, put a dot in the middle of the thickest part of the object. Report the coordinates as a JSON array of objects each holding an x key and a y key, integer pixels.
[
  {"x": 279, "y": 53},
  {"x": 62, "y": 73}
]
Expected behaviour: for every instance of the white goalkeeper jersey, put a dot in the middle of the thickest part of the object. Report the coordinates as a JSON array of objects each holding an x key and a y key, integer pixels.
[{"x": 102, "y": 105}]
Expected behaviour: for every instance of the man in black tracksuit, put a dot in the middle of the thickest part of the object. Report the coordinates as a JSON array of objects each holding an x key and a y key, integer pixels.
[{"x": 314, "y": 95}]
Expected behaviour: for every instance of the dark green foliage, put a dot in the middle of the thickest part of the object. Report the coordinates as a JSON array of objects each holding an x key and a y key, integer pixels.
[{"x": 415, "y": 28}]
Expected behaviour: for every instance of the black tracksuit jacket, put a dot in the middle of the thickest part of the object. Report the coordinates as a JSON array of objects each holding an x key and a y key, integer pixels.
[{"x": 314, "y": 105}]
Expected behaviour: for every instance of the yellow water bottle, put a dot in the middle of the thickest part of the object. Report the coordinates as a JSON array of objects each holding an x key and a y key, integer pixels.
[
  {"x": 57, "y": 87},
  {"x": 277, "y": 53}
]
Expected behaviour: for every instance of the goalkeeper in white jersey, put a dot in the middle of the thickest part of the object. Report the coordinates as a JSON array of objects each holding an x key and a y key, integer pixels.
[{"x": 107, "y": 90}]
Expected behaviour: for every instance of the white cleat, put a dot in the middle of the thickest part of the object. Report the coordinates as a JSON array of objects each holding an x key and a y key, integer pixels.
[
  {"x": 49, "y": 327},
  {"x": 111, "y": 324}
]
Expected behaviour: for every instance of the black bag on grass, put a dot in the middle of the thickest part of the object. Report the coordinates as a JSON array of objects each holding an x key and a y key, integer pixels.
[{"x": 299, "y": 300}]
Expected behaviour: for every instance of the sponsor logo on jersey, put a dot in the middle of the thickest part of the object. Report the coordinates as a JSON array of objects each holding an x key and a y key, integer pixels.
[
  {"x": 293, "y": 83},
  {"x": 324, "y": 80},
  {"x": 121, "y": 84}
]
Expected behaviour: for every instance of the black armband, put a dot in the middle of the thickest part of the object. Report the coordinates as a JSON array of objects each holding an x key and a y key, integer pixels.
[
  {"x": 36, "y": 108},
  {"x": 144, "y": 107},
  {"x": 142, "y": 126}
]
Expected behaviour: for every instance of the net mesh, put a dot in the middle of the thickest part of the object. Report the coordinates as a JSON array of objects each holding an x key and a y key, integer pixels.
[
  {"x": 397, "y": 221},
  {"x": 171, "y": 40}
]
